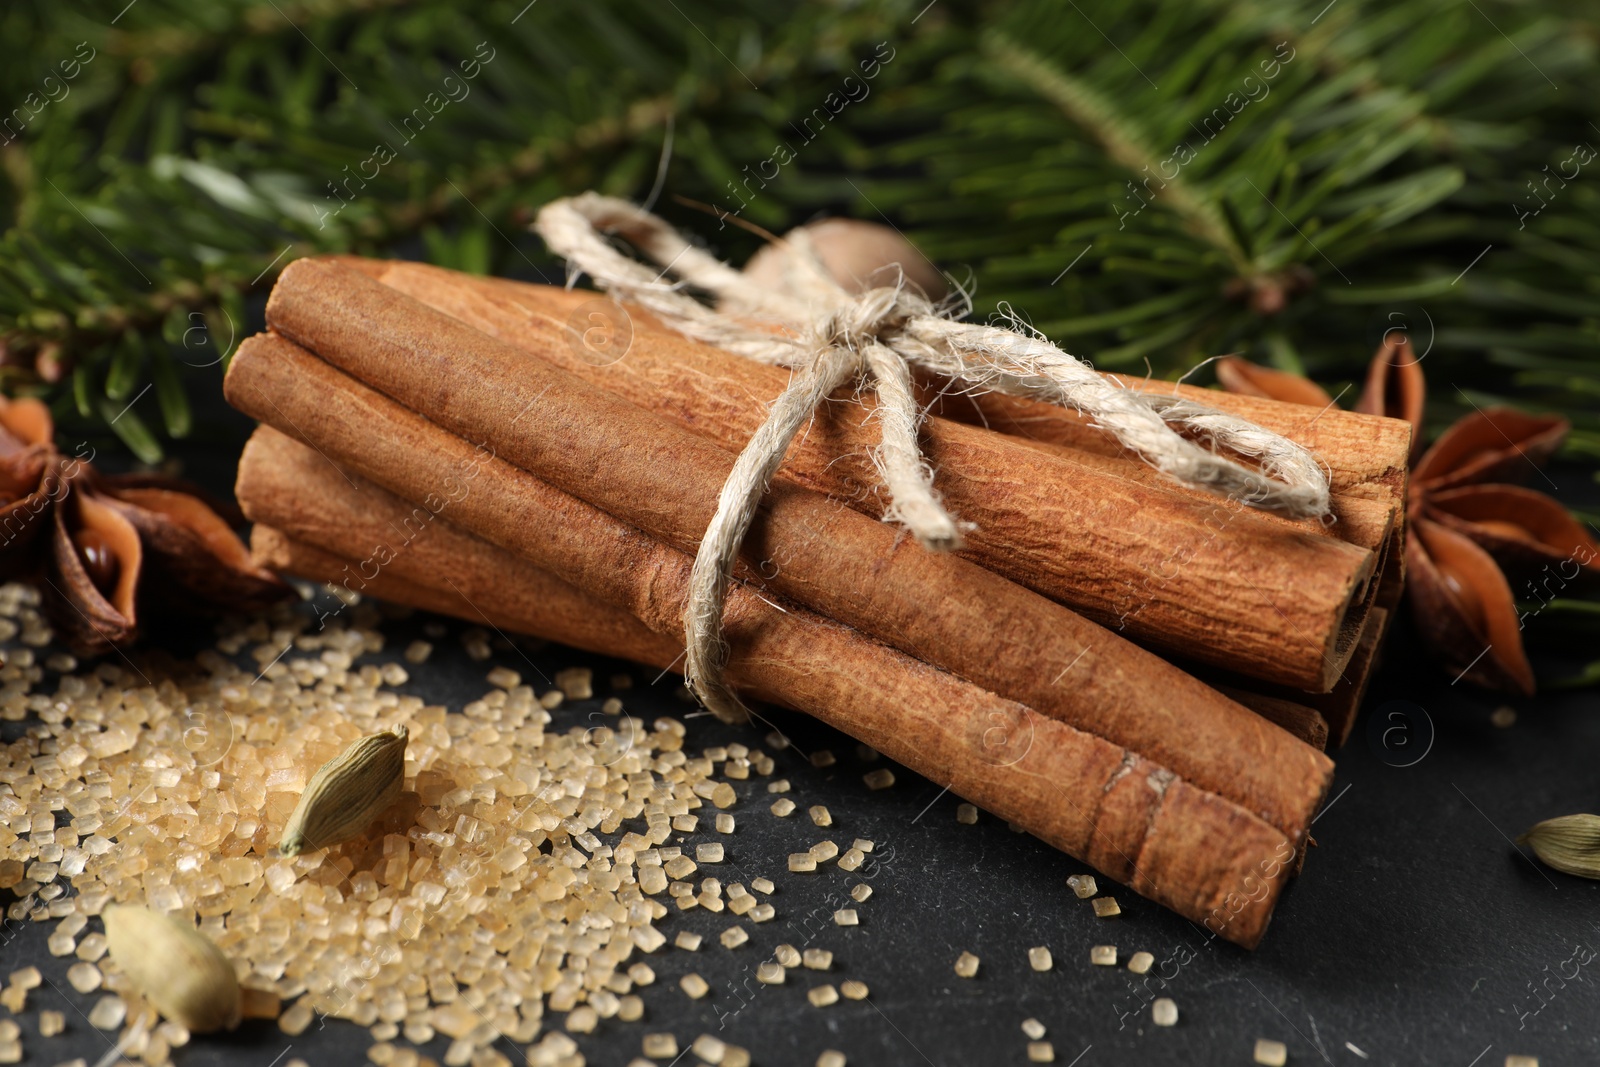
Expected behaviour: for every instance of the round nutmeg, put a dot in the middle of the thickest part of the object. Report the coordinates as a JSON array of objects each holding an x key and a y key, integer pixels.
[
  {"x": 175, "y": 967},
  {"x": 858, "y": 254}
]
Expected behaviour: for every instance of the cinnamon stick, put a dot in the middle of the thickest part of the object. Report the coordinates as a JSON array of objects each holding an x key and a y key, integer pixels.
[
  {"x": 1170, "y": 568},
  {"x": 396, "y": 550},
  {"x": 579, "y": 440},
  {"x": 1368, "y": 456},
  {"x": 1132, "y": 819},
  {"x": 1305, "y": 723},
  {"x": 630, "y": 640},
  {"x": 1339, "y": 706}
]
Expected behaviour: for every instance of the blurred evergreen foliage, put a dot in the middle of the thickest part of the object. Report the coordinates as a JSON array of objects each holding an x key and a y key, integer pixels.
[{"x": 1144, "y": 180}]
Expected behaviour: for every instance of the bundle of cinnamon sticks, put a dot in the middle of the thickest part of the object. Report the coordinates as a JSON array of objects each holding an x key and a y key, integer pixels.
[{"x": 436, "y": 439}]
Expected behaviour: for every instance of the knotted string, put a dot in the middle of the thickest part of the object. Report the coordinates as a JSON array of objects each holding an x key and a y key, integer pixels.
[{"x": 831, "y": 336}]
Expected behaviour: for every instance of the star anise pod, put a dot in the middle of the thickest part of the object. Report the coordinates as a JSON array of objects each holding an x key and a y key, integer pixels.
[
  {"x": 1468, "y": 536},
  {"x": 107, "y": 549}
]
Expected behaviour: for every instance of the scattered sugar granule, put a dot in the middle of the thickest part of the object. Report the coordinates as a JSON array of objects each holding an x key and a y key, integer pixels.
[
  {"x": 762, "y": 913},
  {"x": 27, "y": 978},
  {"x": 861, "y": 844},
  {"x": 770, "y": 972},
  {"x": 652, "y": 880},
  {"x": 108, "y": 1013},
  {"x": 1041, "y": 1052},
  {"x": 967, "y": 814},
  {"x": 852, "y": 859},
  {"x": 882, "y": 778},
  {"x": 820, "y": 815},
  {"x": 694, "y": 985},
  {"x": 762, "y": 885},
  {"x": 1083, "y": 885},
  {"x": 1141, "y": 962},
  {"x": 659, "y": 1046},
  {"x": 687, "y": 941},
  {"x": 709, "y": 853},
  {"x": 783, "y": 807},
  {"x": 822, "y": 758},
  {"x": 733, "y": 937},
  {"x": 1033, "y": 1028},
  {"x": 504, "y": 678},
  {"x": 823, "y": 851},
  {"x": 967, "y": 965},
  {"x": 576, "y": 683},
  {"x": 801, "y": 862},
  {"x": 781, "y": 785},
  {"x": 854, "y": 990},
  {"x": 85, "y": 978},
  {"x": 51, "y": 1023},
  {"x": 725, "y": 823},
  {"x": 296, "y": 1019},
  {"x": 1514, "y": 1060},
  {"x": 823, "y": 995},
  {"x": 1164, "y": 1012},
  {"x": 710, "y": 1049},
  {"x": 787, "y": 955},
  {"x": 1039, "y": 958},
  {"x": 817, "y": 959},
  {"x": 1103, "y": 955},
  {"x": 582, "y": 1020},
  {"x": 846, "y": 917},
  {"x": 860, "y": 891},
  {"x": 1270, "y": 1053},
  {"x": 1107, "y": 907},
  {"x": 831, "y": 1057}
]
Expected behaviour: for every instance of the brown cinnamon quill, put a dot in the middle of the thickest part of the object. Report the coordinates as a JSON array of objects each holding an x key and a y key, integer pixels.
[
  {"x": 580, "y": 440},
  {"x": 1171, "y": 568},
  {"x": 1188, "y": 849}
]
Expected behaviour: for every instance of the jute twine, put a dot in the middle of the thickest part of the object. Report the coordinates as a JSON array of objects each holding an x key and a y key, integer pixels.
[{"x": 832, "y": 336}]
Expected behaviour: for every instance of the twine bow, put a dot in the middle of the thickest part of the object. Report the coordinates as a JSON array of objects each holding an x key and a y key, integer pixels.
[{"x": 830, "y": 336}]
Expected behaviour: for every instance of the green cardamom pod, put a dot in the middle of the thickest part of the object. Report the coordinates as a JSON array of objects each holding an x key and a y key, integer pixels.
[
  {"x": 1570, "y": 843},
  {"x": 348, "y": 792},
  {"x": 174, "y": 966}
]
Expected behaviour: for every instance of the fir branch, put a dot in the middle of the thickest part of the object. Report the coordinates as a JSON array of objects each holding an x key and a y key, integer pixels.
[{"x": 1118, "y": 133}]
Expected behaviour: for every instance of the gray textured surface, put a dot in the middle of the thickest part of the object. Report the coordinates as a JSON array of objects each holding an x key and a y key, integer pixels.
[{"x": 1417, "y": 934}]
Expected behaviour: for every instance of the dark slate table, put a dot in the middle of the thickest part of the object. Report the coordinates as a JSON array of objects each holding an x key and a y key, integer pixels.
[{"x": 1418, "y": 934}]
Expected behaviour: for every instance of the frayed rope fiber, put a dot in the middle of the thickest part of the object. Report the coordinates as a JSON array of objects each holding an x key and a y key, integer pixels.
[{"x": 874, "y": 338}]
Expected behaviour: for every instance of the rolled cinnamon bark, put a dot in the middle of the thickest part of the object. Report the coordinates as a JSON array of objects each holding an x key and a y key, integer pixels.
[
  {"x": 1305, "y": 723},
  {"x": 1117, "y": 691},
  {"x": 1173, "y": 569},
  {"x": 1339, "y": 706},
  {"x": 1185, "y": 848},
  {"x": 580, "y": 440},
  {"x": 1368, "y": 456},
  {"x": 399, "y": 551},
  {"x": 508, "y": 607}
]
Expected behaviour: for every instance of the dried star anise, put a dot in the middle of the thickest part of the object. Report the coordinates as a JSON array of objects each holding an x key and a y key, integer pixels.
[
  {"x": 106, "y": 549},
  {"x": 1467, "y": 535}
]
